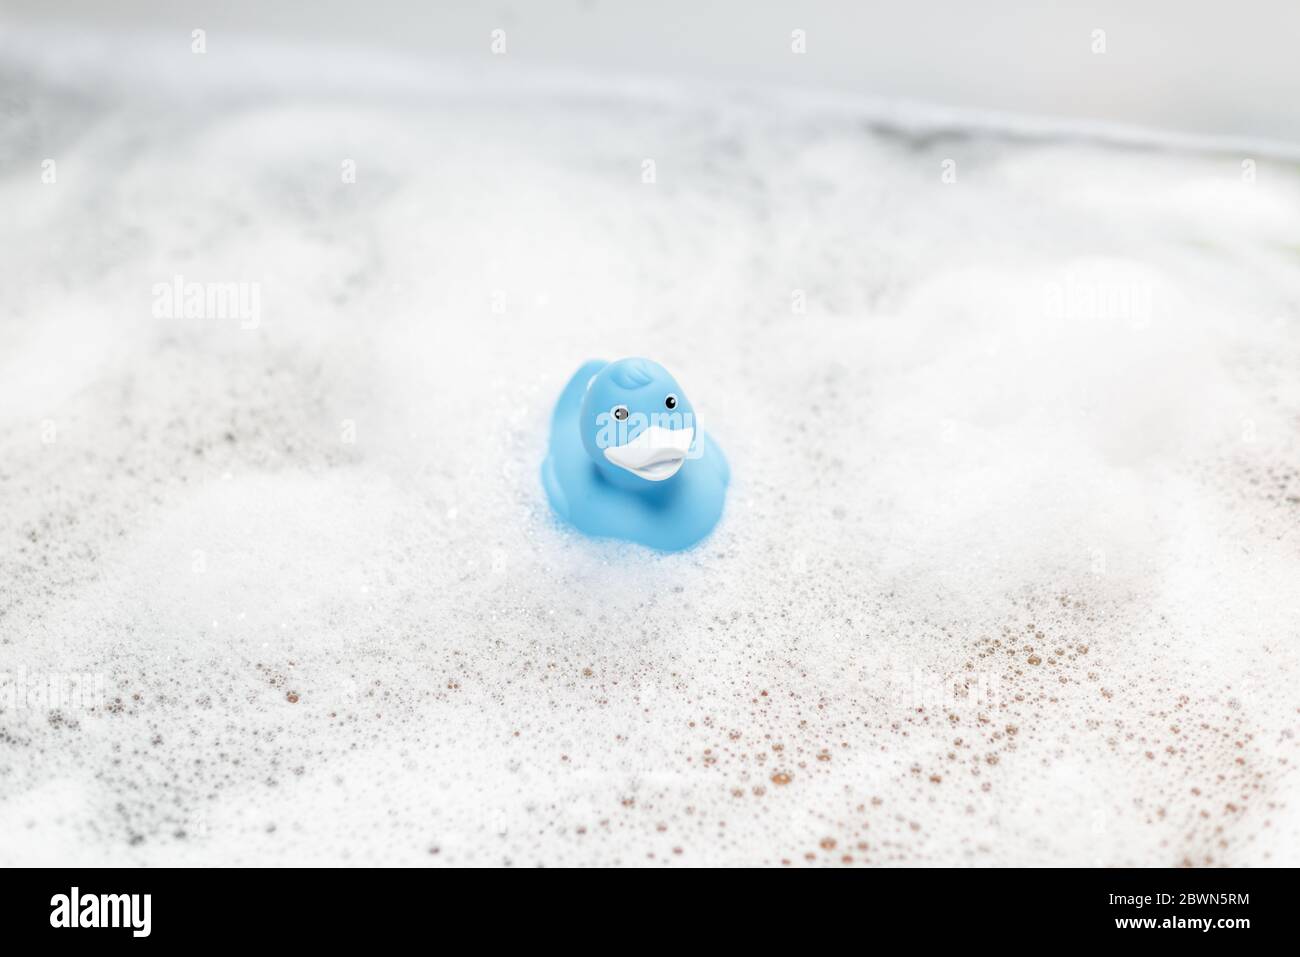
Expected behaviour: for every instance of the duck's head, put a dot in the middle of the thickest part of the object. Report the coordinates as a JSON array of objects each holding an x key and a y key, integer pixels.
[{"x": 637, "y": 424}]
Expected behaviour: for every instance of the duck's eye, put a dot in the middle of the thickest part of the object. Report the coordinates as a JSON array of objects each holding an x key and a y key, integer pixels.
[
  {"x": 671, "y": 401},
  {"x": 619, "y": 412}
]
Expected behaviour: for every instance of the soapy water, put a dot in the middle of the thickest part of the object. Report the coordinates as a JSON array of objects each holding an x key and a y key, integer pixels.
[{"x": 1008, "y": 571}]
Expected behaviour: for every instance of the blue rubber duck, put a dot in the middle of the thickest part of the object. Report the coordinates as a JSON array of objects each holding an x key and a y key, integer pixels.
[{"x": 627, "y": 459}]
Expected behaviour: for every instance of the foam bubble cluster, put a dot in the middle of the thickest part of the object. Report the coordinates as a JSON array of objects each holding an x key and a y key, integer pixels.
[{"x": 1007, "y": 576}]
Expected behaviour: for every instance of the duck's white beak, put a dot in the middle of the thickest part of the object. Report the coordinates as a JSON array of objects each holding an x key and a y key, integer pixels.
[{"x": 655, "y": 454}]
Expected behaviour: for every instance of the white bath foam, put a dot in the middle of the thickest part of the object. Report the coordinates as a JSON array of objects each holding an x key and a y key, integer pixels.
[
  {"x": 1004, "y": 576},
  {"x": 41, "y": 822}
]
